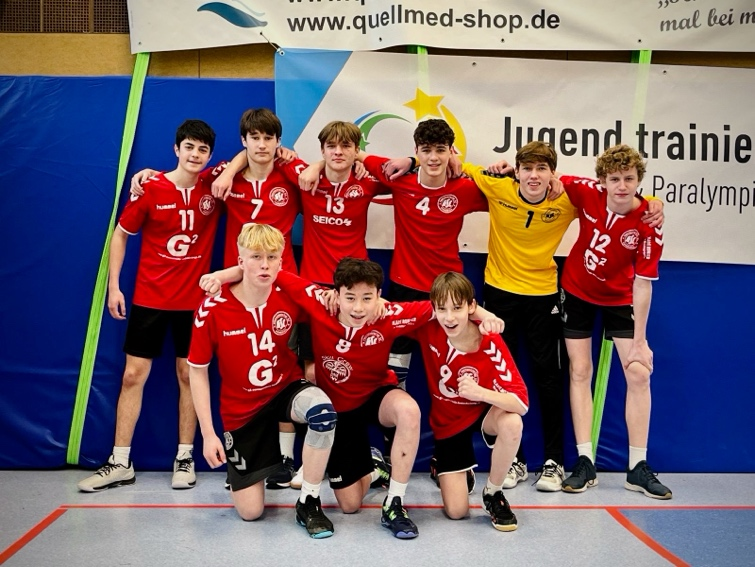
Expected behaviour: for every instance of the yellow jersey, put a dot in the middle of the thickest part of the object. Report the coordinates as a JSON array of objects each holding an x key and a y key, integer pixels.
[{"x": 523, "y": 236}]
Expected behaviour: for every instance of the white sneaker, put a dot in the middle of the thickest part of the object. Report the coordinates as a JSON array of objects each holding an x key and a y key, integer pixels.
[
  {"x": 107, "y": 476},
  {"x": 297, "y": 479},
  {"x": 183, "y": 473},
  {"x": 517, "y": 473},
  {"x": 551, "y": 478}
]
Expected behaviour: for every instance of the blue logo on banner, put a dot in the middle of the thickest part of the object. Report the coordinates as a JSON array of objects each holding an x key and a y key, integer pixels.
[{"x": 234, "y": 15}]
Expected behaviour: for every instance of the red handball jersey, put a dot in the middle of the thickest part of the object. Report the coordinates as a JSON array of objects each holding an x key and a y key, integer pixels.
[
  {"x": 491, "y": 366},
  {"x": 611, "y": 249},
  {"x": 351, "y": 363},
  {"x": 274, "y": 201},
  {"x": 178, "y": 229},
  {"x": 254, "y": 359},
  {"x": 335, "y": 224},
  {"x": 427, "y": 224}
]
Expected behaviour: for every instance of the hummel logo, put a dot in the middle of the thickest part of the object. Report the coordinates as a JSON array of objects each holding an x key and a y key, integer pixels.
[{"x": 588, "y": 217}]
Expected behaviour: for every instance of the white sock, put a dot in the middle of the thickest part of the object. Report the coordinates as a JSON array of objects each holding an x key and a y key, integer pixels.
[
  {"x": 286, "y": 441},
  {"x": 585, "y": 450},
  {"x": 491, "y": 488},
  {"x": 637, "y": 454},
  {"x": 185, "y": 451},
  {"x": 374, "y": 475},
  {"x": 308, "y": 489},
  {"x": 121, "y": 455},
  {"x": 396, "y": 488}
]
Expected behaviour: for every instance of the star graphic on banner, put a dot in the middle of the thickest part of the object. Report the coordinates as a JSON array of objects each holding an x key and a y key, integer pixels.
[{"x": 424, "y": 105}]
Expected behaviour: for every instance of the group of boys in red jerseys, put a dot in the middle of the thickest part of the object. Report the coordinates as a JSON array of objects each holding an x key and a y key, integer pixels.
[{"x": 251, "y": 309}]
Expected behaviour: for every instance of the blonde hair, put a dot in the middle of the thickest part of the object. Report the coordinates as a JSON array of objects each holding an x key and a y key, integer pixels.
[
  {"x": 619, "y": 158},
  {"x": 264, "y": 237},
  {"x": 454, "y": 285}
]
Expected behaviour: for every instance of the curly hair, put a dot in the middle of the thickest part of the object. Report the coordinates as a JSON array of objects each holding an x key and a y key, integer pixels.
[
  {"x": 619, "y": 158},
  {"x": 434, "y": 131}
]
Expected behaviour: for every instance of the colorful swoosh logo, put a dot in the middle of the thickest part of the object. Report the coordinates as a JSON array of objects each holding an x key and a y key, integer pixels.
[{"x": 233, "y": 15}]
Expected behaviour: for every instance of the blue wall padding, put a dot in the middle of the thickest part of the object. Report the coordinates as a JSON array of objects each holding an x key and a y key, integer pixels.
[{"x": 60, "y": 145}]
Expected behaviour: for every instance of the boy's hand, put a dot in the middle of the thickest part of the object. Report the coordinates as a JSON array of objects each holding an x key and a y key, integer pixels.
[
  {"x": 116, "y": 304},
  {"x": 640, "y": 352},
  {"x": 213, "y": 451},
  {"x": 454, "y": 166},
  {"x": 501, "y": 168},
  {"x": 469, "y": 389},
  {"x": 491, "y": 325},
  {"x": 210, "y": 284},
  {"x": 139, "y": 179},
  {"x": 396, "y": 167},
  {"x": 222, "y": 185},
  {"x": 379, "y": 312},
  {"x": 360, "y": 172},
  {"x": 654, "y": 215},
  {"x": 310, "y": 177},
  {"x": 284, "y": 155},
  {"x": 556, "y": 188},
  {"x": 329, "y": 300}
]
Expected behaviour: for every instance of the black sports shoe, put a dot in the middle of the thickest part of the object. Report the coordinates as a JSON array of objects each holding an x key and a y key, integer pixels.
[
  {"x": 311, "y": 516},
  {"x": 642, "y": 479},
  {"x": 501, "y": 516},
  {"x": 383, "y": 469},
  {"x": 582, "y": 477},
  {"x": 282, "y": 478},
  {"x": 396, "y": 519},
  {"x": 470, "y": 481}
]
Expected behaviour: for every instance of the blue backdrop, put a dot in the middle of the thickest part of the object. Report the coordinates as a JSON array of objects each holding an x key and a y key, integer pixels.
[{"x": 60, "y": 145}]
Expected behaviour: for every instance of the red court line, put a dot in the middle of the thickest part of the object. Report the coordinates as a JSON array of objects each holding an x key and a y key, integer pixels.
[
  {"x": 31, "y": 534},
  {"x": 645, "y": 538},
  {"x": 439, "y": 506}
]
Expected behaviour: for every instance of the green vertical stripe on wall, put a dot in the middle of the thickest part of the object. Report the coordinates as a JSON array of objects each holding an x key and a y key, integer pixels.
[{"x": 98, "y": 296}]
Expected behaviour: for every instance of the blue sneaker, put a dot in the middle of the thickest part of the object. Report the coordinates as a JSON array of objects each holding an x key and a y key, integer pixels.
[{"x": 396, "y": 519}]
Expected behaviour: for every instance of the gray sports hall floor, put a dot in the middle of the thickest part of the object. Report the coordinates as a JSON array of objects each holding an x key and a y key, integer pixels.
[{"x": 44, "y": 521}]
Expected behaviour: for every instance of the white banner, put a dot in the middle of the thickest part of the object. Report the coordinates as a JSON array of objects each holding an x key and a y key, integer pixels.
[
  {"x": 695, "y": 123},
  {"x": 359, "y": 25}
]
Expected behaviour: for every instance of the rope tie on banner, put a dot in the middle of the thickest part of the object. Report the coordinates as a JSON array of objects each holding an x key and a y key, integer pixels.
[
  {"x": 278, "y": 48},
  {"x": 642, "y": 58},
  {"x": 98, "y": 295}
]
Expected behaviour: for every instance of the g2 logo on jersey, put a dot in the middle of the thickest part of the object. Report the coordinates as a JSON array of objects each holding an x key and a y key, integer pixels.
[
  {"x": 279, "y": 196},
  {"x": 178, "y": 245}
]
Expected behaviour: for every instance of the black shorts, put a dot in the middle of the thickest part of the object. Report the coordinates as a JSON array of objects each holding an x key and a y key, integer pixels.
[
  {"x": 253, "y": 450},
  {"x": 579, "y": 318},
  {"x": 147, "y": 327},
  {"x": 351, "y": 458},
  {"x": 401, "y": 293},
  {"x": 456, "y": 453}
]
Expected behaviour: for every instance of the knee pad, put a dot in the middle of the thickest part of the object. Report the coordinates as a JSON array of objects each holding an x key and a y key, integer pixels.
[{"x": 313, "y": 407}]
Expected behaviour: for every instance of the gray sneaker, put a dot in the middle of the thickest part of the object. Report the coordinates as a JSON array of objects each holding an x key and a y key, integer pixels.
[
  {"x": 517, "y": 473},
  {"x": 551, "y": 478},
  {"x": 107, "y": 476},
  {"x": 183, "y": 474}
]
